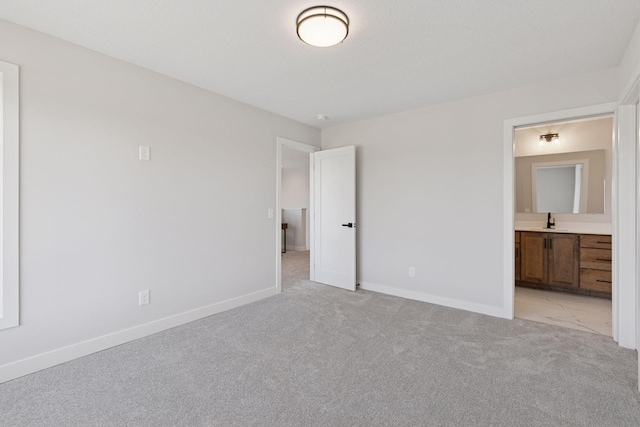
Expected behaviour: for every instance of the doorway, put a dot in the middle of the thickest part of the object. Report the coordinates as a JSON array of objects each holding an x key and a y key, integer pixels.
[
  {"x": 331, "y": 213},
  {"x": 295, "y": 203},
  {"x": 293, "y": 206},
  {"x": 563, "y": 223},
  {"x": 537, "y": 222}
]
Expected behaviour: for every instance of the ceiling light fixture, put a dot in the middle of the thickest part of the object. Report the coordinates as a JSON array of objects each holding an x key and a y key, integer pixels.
[
  {"x": 551, "y": 138},
  {"x": 322, "y": 26}
]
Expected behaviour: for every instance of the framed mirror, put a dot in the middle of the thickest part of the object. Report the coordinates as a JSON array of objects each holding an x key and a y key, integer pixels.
[
  {"x": 561, "y": 183},
  {"x": 560, "y": 187}
]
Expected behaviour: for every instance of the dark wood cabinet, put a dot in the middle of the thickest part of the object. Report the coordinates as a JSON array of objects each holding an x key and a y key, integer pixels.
[
  {"x": 533, "y": 258},
  {"x": 564, "y": 261},
  {"x": 517, "y": 255},
  {"x": 595, "y": 263}
]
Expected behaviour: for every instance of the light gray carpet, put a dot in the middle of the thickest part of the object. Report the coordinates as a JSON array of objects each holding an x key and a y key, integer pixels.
[{"x": 318, "y": 356}]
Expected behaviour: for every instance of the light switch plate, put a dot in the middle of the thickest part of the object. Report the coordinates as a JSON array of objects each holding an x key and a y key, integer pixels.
[
  {"x": 143, "y": 297},
  {"x": 145, "y": 153}
]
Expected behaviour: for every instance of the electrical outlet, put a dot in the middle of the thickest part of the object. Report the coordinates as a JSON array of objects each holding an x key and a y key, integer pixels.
[
  {"x": 143, "y": 297},
  {"x": 412, "y": 272}
]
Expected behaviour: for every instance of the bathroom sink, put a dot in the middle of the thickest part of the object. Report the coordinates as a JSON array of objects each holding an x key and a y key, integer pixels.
[{"x": 546, "y": 229}]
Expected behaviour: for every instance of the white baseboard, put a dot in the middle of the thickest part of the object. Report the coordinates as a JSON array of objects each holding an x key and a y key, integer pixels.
[
  {"x": 446, "y": 302},
  {"x": 42, "y": 361},
  {"x": 296, "y": 248}
]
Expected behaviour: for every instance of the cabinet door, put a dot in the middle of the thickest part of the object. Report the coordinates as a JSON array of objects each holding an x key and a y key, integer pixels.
[
  {"x": 533, "y": 257},
  {"x": 564, "y": 256},
  {"x": 517, "y": 265}
]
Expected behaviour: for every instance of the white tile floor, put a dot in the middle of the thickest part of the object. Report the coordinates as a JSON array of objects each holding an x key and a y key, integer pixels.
[{"x": 589, "y": 314}]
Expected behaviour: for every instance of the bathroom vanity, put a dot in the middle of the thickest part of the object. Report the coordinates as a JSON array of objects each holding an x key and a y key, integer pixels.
[{"x": 564, "y": 261}]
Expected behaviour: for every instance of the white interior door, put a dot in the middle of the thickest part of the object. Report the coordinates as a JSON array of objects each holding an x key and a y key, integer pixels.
[{"x": 334, "y": 217}]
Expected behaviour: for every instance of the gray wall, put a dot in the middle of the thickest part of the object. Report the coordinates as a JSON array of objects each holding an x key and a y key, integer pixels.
[
  {"x": 430, "y": 190},
  {"x": 98, "y": 225}
]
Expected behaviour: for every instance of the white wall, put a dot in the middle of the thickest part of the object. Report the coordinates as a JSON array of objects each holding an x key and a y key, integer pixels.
[
  {"x": 98, "y": 225},
  {"x": 629, "y": 69},
  {"x": 581, "y": 135},
  {"x": 295, "y": 188},
  {"x": 295, "y": 194},
  {"x": 296, "y": 220},
  {"x": 430, "y": 190}
]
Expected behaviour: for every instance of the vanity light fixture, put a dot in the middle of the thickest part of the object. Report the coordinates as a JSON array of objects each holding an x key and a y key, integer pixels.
[
  {"x": 322, "y": 26},
  {"x": 549, "y": 138}
]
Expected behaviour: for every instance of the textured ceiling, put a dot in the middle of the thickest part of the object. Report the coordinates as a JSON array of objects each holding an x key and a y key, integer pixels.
[{"x": 399, "y": 55}]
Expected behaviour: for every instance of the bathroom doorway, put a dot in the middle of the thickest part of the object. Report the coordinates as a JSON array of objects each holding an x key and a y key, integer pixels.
[{"x": 563, "y": 222}]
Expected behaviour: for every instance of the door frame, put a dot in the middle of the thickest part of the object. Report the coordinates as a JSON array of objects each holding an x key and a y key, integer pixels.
[
  {"x": 509, "y": 194},
  {"x": 299, "y": 146},
  {"x": 9, "y": 195},
  {"x": 627, "y": 249}
]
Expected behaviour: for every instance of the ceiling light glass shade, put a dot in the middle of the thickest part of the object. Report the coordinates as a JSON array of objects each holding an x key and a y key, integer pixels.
[
  {"x": 322, "y": 26},
  {"x": 552, "y": 138}
]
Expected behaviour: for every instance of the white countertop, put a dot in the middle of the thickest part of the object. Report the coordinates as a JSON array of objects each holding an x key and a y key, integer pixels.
[
  {"x": 564, "y": 230},
  {"x": 599, "y": 228}
]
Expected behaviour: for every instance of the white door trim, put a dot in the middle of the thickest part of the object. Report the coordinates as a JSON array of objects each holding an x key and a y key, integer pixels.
[
  {"x": 509, "y": 187},
  {"x": 295, "y": 145},
  {"x": 625, "y": 246},
  {"x": 629, "y": 135},
  {"x": 9, "y": 195}
]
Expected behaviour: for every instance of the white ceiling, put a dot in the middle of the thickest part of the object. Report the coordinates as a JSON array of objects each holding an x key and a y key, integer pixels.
[{"x": 400, "y": 54}]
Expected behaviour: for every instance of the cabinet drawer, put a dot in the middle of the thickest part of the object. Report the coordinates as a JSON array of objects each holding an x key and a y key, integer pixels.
[
  {"x": 595, "y": 241},
  {"x": 598, "y": 259},
  {"x": 595, "y": 280},
  {"x": 517, "y": 237}
]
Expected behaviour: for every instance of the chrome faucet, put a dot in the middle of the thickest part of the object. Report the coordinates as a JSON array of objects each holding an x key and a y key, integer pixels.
[{"x": 551, "y": 222}]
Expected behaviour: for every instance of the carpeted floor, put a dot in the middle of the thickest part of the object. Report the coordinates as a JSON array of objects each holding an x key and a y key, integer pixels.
[{"x": 319, "y": 356}]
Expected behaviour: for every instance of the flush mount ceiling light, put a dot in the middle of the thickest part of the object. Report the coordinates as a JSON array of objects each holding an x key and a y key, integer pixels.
[
  {"x": 551, "y": 138},
  {"x": 322, "y": 26}
]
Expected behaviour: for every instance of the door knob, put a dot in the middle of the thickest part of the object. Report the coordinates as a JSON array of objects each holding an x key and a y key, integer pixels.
[{"x": 350, "y": 225}]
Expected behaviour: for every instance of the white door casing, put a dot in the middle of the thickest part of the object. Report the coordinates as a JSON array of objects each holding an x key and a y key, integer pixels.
[
  {"x": 637, "y": 128},
  {"x": 9, "y": 192},
  {"x": 333, "y": 250}
]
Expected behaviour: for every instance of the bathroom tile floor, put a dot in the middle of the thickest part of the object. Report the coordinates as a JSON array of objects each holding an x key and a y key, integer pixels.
[{"x": 589, "y": 314}]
